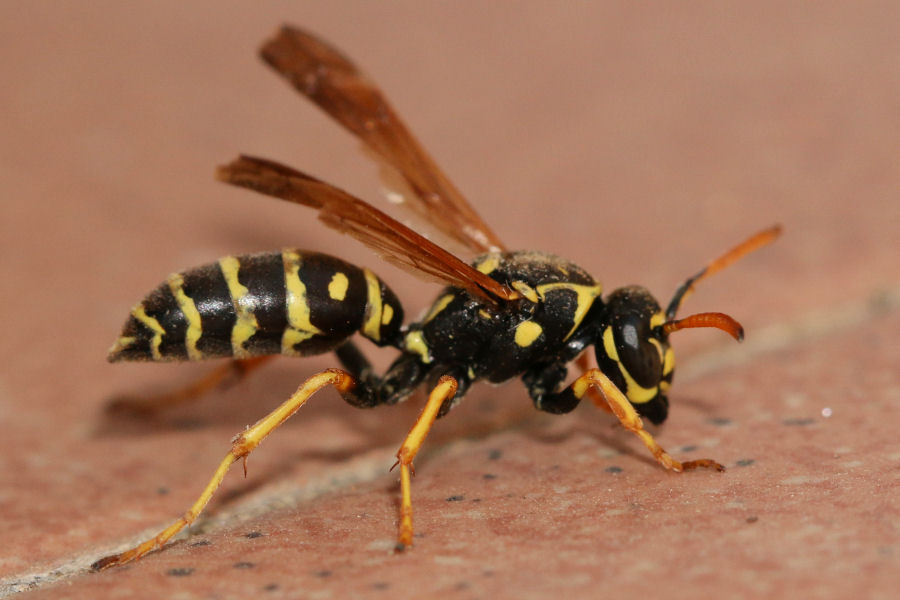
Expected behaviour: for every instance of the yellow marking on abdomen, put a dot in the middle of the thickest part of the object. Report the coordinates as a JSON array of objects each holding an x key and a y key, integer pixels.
[
  {"x": 299, "y": 327},
  {"x": 246, "y": 325},
  {"x": 191, "y": 314},
  {"x": 636, "y": 393},
  {"x": 372, "y": 324},
  {"x": 141, "y": 315},
  {"x": 527, "y": 332},
  {"x": 337, "y": 289}
]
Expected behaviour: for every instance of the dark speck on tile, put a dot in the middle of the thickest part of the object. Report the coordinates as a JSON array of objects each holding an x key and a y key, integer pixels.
[
  {"x": 745, "y": 462},
  {"x": 752, "y": 519},
  {"x": 254, "y": 534},
  {"x": 613, "y": 469},
  {"x": 200, "y": 543},
  {"x": 380, "y": 585},
  {"x": 271, "y": 587},
  {"x": 243, "y": 565},
  {"x": 323, "y": 573},
  {"x": 720, "y": 421},
  {"x": 456, "y": 498},
  {"x": 495, "y": 454},
  {"x": 688, "y": 448},
  {"x": 798, "y": 422},
  {"x": 489, "y": 476},
  {"x": 180, "y": 572}
]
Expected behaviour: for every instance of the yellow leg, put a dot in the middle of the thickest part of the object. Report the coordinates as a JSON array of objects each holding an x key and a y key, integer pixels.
[
  {"x": 241, "y": 446},
  {"x": 232, "y": 371},
  {"x": 583, "y": 363},
  {"x": 624, "y": 411},
  {"x": 445, "y": 388}
]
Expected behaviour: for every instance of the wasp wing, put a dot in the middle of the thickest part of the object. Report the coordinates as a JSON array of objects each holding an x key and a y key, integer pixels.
[
  {"x": 322, "y": 74},
  {"x": 394, "y": 241}
]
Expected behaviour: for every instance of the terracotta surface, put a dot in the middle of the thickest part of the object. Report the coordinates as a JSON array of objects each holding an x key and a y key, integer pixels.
[{"x": 638, "y": 142}]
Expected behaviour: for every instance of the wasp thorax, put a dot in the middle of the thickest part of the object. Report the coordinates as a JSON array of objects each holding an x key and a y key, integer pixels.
[{"x": 634, "y": 353}]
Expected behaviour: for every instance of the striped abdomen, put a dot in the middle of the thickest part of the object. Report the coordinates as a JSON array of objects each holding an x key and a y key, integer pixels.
[{"x": 293, "y": 302}]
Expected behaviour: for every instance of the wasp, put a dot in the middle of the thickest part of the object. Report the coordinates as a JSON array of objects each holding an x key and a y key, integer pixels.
[{"x": 525, "y": 314}]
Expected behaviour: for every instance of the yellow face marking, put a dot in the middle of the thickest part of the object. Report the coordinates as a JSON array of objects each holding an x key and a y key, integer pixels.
[
  {"x": 246, "y": 325},
  {"x": 191, "y": 314},
  {"x": 337, "y": 289},
  {"x": 415, "y": 342},
  {"x": 439, "y": 305},
  {"x": 372, "y": 324},
  {"x": 489, "y": 264},
  {"x": 668, "y": 361},
  {"x": 157, "y": 329},
  {"x": 657, "y": 320},
  {"x": 299, "y": 327},
  {"x": 526, "y": 333},
  {"x": 387, "y": 313},
  {"x": 525, "y": 289},
  {"x": 584, "y": 299},
  {"x": 636, "y": 394}
]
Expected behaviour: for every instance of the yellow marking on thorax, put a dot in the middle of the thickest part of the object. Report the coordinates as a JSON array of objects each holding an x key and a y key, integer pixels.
[
  {"x": 527, "y": 332},
  {"x": 525, "y": 289},
  {"x": 415, "y": 343},
  {"x": 584, "y": 299},
  {"x": 387, "y": 313},
  {"x": 439, "y": 305},
  {"x": 636, "y": 394},
  {"x": 372, "y": 324},
  {"x": 337, "y": 289},
  {"x": 299, "y": 327},
  {"x": 158, "y": 331},
  {"x": 245, "y": 325},
  {"x": 191, "y": 314},
  {"x": 489, "y": 264},
  {"x": 484, "y": 314}
]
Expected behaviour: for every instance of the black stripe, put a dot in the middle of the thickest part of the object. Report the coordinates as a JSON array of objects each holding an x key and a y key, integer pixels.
[
  {"x": 162, "y": 306},
  {"x": 263, "y": 276},
  {"x": 338, "y": 319},
  {"x": 206, "y": 286}
]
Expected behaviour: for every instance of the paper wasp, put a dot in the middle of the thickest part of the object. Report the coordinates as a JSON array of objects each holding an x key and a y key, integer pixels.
[{"x": 525, "y": 314}]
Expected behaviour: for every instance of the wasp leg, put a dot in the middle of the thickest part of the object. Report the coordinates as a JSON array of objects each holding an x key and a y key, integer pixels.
[
  {"x": 583, "y": 363},
  {"x": 567, "y": 399},
  {"x": 224, "y": 375},
  {"x": 241, "y": 446},
  {"x": 442, "y": 392}
]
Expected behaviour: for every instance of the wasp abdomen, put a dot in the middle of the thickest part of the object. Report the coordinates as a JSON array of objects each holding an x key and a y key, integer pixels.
[{"x": 293, "y": 302}]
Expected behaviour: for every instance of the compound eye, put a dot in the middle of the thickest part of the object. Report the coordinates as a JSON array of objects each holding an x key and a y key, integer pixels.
[{"x": 639, "y": 351}]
